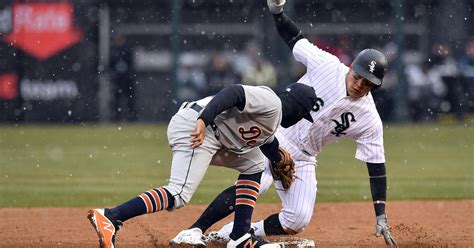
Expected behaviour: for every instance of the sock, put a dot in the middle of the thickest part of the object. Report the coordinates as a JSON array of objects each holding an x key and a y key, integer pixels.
[
  {"x": 259, "y": 229},
  {"x": 220, "y": 208},
  {"x": 273, "y": 226},
  {"x": 149, "y": 202},
  {"x": 246, "y": 194}
]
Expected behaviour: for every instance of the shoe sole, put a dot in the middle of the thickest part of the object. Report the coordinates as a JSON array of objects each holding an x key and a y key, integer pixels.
[{"x": 92, "y": 219}]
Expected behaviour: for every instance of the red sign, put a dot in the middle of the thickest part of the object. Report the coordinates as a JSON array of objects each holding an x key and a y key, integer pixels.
[
  {"x": 43, "y": 29},
  {"x": 8, "y": 86}
]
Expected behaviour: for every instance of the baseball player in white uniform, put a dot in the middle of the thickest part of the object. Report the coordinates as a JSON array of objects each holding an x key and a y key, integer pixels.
[
  {"x": 347, "y": 112},
  {"x": 232, "y": 129}
]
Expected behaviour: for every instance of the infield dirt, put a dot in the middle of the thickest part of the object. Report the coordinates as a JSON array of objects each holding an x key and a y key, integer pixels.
[{"x": 413, "y": 224}]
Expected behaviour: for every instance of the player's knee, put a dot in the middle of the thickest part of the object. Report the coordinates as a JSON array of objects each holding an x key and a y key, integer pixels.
[
  {"x": 178, "y": 203},
  {"x": 295, "y": 222},
  {"x": 180, "y": 199}
]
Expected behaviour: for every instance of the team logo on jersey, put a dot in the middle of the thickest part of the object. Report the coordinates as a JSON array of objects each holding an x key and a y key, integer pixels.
[
  {"x": 250, "y": 135},
  {"x": 372, "y": 66},
  {"x": 344, "y": 125},
  {"x": 318, "y": 104}
]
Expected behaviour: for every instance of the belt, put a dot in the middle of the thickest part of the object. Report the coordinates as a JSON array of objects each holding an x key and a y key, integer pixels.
[
  {"x": 196, "y": 107},
  {"x": 193, "y": 105}
]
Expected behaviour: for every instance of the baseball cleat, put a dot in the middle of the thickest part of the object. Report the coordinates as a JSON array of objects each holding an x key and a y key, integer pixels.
[
  {"x": 189, "y": 237},
  {"x": 249, "y": 240},
  {"x": 105, "y": 228},
  {"x": 221, "y": 236},
  {"x": 214, "y": 237}
]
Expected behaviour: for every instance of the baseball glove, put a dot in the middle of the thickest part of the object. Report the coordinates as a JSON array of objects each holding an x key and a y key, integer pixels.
[{"x": 284, "y": 170}]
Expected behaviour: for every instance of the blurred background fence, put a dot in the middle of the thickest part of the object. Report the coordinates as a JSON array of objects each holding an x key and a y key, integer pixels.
[{"x": 137, "y": 61}]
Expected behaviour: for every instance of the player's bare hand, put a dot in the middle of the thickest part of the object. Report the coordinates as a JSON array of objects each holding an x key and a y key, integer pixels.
[
  {"x": 381, "y": 228},
  {"x": 197, "y": 137},
  {"x": 276, "y": 6}
]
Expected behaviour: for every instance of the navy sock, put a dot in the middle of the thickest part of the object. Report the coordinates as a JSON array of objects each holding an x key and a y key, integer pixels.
[
  {"x": 246, "y": 194},
  {"x": 149, "y": 202},
  {"x": 127, "y": 210},
  {"x": 220, "y": 208}
]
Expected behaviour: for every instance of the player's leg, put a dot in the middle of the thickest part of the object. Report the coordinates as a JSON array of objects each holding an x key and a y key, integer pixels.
[
  {"x": 187, "y": 170},
  {"x": 246, "y": 194},
  {"x": 223, "y": 205},
  {"x": 298, "y": 206},
  {"x": 297, "y": 203},
  {"x": 188, "y": 167}
]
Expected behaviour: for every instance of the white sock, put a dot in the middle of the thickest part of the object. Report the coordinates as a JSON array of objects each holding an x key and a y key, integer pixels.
[{"x": 258, "y": 228}]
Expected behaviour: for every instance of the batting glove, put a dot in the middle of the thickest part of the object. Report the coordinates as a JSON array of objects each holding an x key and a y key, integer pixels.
[
  {"x": 381, "y": 228},
  {"x": 276, "y": 6}
]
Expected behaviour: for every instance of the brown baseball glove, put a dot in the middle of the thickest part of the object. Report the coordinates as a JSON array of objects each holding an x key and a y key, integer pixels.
[{"x": 284, "y": 170}]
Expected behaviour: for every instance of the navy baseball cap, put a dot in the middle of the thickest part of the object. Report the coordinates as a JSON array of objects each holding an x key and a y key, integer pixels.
[{"x": 305, "y": 96}]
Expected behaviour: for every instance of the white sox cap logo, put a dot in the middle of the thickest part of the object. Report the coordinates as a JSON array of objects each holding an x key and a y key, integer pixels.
[{"x": 372, "y": 66}]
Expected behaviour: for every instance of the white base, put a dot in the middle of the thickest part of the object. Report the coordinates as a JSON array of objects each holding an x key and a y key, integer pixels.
[{"x": 300, "y": 243}]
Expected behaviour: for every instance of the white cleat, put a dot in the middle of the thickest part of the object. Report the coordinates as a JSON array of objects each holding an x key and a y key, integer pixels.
[
  {"x": 189, "y": 237},
  {"x": 221, "y": 236}
]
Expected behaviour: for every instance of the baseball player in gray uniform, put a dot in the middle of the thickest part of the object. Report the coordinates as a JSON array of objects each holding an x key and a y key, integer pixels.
[
  {"x": 232, "y": 129},
  {"x": 347, "y": 112}
]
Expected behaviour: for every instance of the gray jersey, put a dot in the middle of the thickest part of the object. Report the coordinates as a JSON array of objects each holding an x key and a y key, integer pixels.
[{"x": 255, "y": 125}]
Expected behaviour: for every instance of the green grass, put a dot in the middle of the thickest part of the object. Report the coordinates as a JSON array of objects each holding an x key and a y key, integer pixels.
[{"x": 96, "y": 165}]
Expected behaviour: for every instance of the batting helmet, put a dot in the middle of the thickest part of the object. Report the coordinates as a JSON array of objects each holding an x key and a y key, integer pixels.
[{"x": 370, "y": 64}]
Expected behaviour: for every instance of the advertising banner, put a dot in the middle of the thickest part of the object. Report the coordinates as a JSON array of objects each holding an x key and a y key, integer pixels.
[{"x": 49, "y": 63}]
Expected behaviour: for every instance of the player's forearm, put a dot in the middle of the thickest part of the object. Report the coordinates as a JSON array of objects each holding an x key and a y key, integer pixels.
[
  {"x": 287, "y": 29},
  {"x": 378, "y": 186},
  {"x": 231, "y": 96},
  {"x": 270, "y": 150}
]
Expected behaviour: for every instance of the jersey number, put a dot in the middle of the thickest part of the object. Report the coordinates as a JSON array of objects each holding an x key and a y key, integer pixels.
[{"x": 250, "y": 135}]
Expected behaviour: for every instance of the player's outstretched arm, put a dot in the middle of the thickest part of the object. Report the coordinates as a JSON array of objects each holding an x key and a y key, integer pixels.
[
  {"x": 287, "y": 29},
  {"x": 378, "y": 188}
]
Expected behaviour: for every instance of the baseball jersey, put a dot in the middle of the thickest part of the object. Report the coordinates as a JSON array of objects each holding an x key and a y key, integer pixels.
[
  {"x": 240, "y": 131},
  {"x": 340, "y": 116}
]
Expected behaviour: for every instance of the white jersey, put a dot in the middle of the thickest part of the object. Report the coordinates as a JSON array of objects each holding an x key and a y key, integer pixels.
[
  {"x": 340, "y": 116},
  {"x": 240, "y": 131}
]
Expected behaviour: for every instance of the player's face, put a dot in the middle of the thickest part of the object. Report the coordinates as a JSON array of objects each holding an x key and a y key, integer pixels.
[{"x": 356, "y": 85}]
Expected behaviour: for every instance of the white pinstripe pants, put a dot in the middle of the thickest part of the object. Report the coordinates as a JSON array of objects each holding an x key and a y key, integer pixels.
[{"x": 298, "y": 201}]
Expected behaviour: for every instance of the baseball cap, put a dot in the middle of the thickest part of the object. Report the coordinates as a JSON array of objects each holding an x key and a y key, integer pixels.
[
  {"x": 370, "y": 64},
  {"x": 305, "y": 96}
]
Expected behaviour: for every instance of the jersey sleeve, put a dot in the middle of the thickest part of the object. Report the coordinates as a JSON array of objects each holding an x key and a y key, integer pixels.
[
  {"x": 370, "y": 147},
  {"x": 311, "y": 55}
]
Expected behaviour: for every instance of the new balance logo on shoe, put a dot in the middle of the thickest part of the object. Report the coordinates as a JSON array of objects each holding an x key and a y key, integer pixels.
[
  {"x": 104, "y": 227},
  {"x": 250, "y": 244},
  {"x": 108, "y": 226}
]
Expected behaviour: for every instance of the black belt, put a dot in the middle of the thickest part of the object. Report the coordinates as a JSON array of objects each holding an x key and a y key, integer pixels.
[{"x": 196, "y": 107}]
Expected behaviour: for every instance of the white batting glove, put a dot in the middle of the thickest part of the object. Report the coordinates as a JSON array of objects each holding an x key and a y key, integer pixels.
[
  {"x": 276, "y": 6},
  {"x": 381, "y": 228}
]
